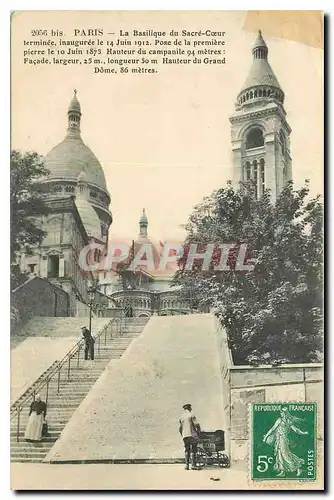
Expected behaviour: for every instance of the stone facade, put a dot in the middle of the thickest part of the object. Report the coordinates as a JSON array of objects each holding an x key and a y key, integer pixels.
[
  {"x": 76, "y": 193},
  {"x": 145, "y": 303},
  {"x": 57, "y": 258}
]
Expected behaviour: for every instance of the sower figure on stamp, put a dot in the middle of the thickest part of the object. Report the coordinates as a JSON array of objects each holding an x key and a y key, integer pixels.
[
  {"x": 189, "y": 429},
  {"x": 277, "y": 436},
  {"x": 89, "y": 343}
]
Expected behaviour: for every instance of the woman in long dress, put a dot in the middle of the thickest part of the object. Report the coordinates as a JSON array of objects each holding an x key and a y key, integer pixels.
[
  {"x": 37, "y": 415},
  {"x": 285, "y": 460}
]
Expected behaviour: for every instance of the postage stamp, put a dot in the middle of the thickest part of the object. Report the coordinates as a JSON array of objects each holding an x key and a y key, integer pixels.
[{"x": 283, "y": 441}]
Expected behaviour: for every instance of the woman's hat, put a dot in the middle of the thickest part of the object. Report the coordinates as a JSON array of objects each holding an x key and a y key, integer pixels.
[{"x": 185, "y": 407}]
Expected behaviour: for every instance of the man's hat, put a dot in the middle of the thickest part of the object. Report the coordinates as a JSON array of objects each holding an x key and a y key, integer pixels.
[
  {"x": 83, "y": 327},
  {"x": 185, "y": 407}
]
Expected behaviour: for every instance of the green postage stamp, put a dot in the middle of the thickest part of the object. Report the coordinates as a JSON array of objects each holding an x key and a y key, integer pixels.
[{"x": 283, "y": 441}]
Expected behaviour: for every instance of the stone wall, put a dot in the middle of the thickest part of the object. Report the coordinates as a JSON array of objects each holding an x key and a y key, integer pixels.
[
  {"x": 246, "y": 384},
  {"x": 39, "y": 297},
  {"x": 299, "y": 383}
]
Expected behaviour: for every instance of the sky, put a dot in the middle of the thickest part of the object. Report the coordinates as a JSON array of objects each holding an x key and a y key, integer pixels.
[{"x": 163, "y": 140}]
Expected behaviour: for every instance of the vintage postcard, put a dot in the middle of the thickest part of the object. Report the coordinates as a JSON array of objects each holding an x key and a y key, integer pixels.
[{"x": 167, "y": 250}]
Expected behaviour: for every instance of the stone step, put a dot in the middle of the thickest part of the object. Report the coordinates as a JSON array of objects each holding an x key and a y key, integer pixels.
[
  {"x": 72, "y": 390},
  {"x": 50, "y": 438},
  {"x": 52, "y": 422},
  {"x": 26, "y": 446},
  {"x": 46, "y": 439},
  {"x": 74, "y": 385},
  {"x": 61, "y": 405},
  {"x": 53, "y": 432},
  {"x": 52, "y": 419},
  {"x": 28, "y": 454},
  {"x": 26, "y": 460},
  {"x": 53, "y": 427},
  {"x": 71, "y": 394},
  {"x": 54, "y": 399},
  {"x": 63, "y": 382},
  {"x": 52, "y": 435},
  {"x": 84, "y": 374},
  {"x": 24, "y": 417},
  {"x": 112, "y": 346},
  {"x": 78, "y": 388}
]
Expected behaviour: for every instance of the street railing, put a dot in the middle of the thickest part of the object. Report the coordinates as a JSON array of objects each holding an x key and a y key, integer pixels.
[{"x": 55, "y": 373}]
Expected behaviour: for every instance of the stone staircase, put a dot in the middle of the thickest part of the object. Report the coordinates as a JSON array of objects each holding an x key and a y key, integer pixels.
[{"x": 72, "y": 391}]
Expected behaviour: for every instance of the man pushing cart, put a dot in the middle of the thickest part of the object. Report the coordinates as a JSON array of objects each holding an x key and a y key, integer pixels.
[
  {"x": 189, "y": 430},
  {"x": 202, "y": 448}
]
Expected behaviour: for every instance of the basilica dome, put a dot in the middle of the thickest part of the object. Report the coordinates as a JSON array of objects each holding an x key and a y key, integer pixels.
[
  {"x": 66, "y": 160},
  {"x": 71, "y": 156}
]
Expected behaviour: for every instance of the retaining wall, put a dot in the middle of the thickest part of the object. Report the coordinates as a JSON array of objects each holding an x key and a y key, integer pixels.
[{"x": 246, "y": 384}]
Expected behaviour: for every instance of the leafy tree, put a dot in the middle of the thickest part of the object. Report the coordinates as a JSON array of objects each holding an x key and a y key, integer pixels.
[
  {"x": 27, "y": 206},
  {"x": 272, "y": 314}
]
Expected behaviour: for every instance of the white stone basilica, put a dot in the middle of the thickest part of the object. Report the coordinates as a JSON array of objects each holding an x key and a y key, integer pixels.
[{"x": 77, "y": 195}]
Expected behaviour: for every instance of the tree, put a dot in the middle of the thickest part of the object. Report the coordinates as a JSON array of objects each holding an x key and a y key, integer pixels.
[
  {"x": 27, "y": 206},
  {"x": 272, "y": 314}
]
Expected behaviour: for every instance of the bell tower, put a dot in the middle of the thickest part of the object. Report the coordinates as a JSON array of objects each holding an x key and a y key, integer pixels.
[{"x": 260, "y": 133}]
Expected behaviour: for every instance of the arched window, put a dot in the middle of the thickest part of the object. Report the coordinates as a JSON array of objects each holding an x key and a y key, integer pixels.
[
  {"x": 262, "y": 175},
  {"x": 251, "y": 94},
  {"x": 248, "y": 171},
  {"x": 260, "y": 93},
  {"x": 255, "y": 93},
  {"x": 254, "y": 138},
  {"x": 97, "y": 255}
]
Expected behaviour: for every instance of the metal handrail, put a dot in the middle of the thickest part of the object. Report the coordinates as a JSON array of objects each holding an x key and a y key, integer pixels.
[
  {"x": 17, "y": 407},
  {"x": 29, "y": 391}
]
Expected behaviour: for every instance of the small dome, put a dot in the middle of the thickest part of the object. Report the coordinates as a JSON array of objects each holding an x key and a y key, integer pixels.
[
  {"x": 259, "y": 42},
  {"x": 89, "y": 218},
  {"x": 74, "y": 104},
  {"x": 71, "y": 157},
  {"x": 261, "y": 74}
]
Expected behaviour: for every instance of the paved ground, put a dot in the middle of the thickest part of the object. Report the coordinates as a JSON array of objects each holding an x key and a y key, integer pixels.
[
  {"x": 32, "y": 357},
  {"x": 135, "y": 477},
  {"x": 132, "y": 411}
]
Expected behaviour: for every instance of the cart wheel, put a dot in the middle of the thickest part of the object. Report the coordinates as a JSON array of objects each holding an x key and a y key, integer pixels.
[
  {"x": 201, "y": 459},
  {"x": 223, "y": 460}
]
